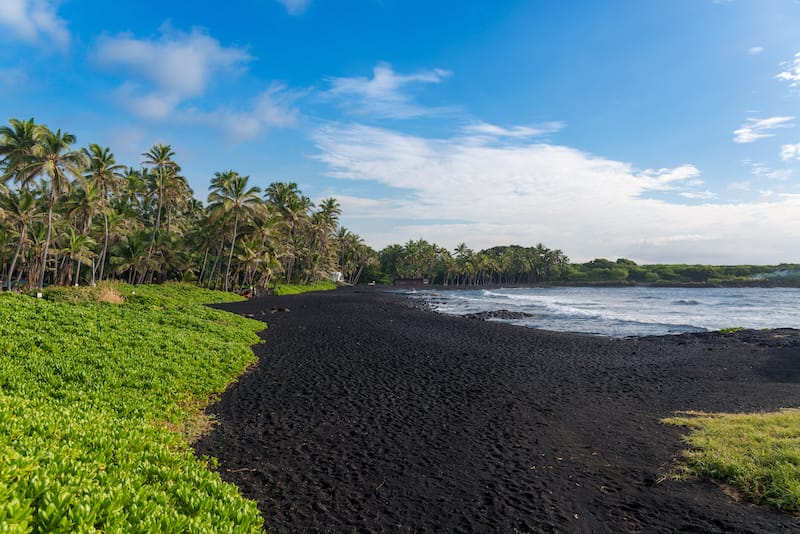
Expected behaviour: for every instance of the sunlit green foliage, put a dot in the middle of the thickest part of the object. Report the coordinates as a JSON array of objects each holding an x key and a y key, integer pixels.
[
  {"x": 297, "y": 289},
  {"x": 758, "y": 454},
  {"x": 74, "y": 468},
  {"x": 87, "y": 388}
]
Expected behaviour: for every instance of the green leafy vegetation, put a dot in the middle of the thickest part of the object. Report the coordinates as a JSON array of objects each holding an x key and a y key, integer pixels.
[
  {"x": 516, "y": 265},
  {"x": 757, "y": 454},
  {"x": 282, "y": 289},
  {"x": 732, "y": 329},
  {"x": 625, "y": 271},
  {"x": 93, "y": 397}
]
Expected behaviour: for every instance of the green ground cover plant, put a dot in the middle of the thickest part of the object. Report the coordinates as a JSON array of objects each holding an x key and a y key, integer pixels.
[
  {"x": 283, "y": 289},
  {"x": 90, "y": 391},
  {"x": 757, "y": 454},
  {"x": 732, "y": 329}
]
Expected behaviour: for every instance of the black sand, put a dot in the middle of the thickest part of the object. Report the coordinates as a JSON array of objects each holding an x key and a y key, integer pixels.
[{"x": 367, "y": 415}]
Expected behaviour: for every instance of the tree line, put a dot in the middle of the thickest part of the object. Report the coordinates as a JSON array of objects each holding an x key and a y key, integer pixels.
[
  {"x": 464, "y": 267},
  {"x": 517, "y": 265},
  {"x": 74, "y": 215}
]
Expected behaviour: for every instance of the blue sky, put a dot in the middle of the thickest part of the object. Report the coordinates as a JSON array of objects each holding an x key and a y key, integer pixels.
[{"x": 662, "y": 131}]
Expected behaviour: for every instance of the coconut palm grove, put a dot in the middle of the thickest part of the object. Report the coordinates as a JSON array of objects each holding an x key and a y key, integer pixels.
[{"x": 74, "y": 215}]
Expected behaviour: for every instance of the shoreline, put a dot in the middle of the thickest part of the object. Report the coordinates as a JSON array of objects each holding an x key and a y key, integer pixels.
[
  {"x": 366, "y": 412},
  {"x": 766, "y": 284}
]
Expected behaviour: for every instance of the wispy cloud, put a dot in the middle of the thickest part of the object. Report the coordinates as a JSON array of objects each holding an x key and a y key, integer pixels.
[
  {"x": 587, "y": 205},
  {"x": 386, "y": 94},
  {"x": 790, "y": 152},
  {"x": 295, "y": 7},
  {"x": 755, "y": 50},
  {"x": 791, "y": 72},
  {"x": 484, "y": 129},
  {"x": 168, "y": 70},
  {"x": 667, "y": 179},
  {"x": 755, "y": 129},
  {"x": 35, "y": 22},
  {"x": 762, "y": 170},
  {"x": 699, "y": 195},
  {"x": 273, "y": 108}
]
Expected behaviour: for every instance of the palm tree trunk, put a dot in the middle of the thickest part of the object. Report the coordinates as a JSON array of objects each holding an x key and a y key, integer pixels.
[
  {"x": 104, "y": 249},
  {"x": 158, "y": 220},
  {"x": 290, "y": 264},
  {"x": 47, "y": 237},
  {"x": 230, "y": 255},
  {"x": 216, "y": 262},
  {"x": 203, "y": 269},
  {"x": 16, "y": 255}
]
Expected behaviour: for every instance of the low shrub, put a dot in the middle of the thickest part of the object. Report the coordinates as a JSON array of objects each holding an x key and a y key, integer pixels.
[
  {"x": 297, "y": 289},
  {"x": 88, "y": 389}
]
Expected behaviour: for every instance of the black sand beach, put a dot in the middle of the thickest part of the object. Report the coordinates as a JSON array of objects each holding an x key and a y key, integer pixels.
[{"x": 368, "y": 415}]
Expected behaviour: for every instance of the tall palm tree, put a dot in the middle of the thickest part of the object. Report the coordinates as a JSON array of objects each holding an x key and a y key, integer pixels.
[
  {"x": 17, "y": 143},
  {"x": 106, "y": 175},
  {"x": 230, "y": 196},
  {"x": 21, "y": 210},
  {"x": 159, "y": 157},
  {"x": 323, "y": 226},
  {"x": 293, "y": 207},
  {"x": 54, "y": 159}
]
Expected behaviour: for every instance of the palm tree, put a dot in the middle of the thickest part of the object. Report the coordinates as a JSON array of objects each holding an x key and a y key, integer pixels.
[
  {"x": 293, "y": 207},
  {"x": 21, "y": 210},
  {"x": 230, "y": 195},
  {"x": 17, "y": 143},
  {"x": 159, "y": 157},
  {"x": 53, "y": 158},
  {"x": 130, "y": 255},
  {"x": 77, "y": 248},
  {"x": 323, "y": 225},
  {"x": 106, "y": 176}
]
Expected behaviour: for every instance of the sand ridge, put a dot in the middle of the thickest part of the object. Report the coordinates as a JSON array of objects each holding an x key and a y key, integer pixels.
[{"x": 367, "y": 414}]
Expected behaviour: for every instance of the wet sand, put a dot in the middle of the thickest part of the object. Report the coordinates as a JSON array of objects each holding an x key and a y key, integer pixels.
[{"x": 367, "y": 414}]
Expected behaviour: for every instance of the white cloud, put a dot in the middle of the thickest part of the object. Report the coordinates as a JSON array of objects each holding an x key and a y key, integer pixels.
[
  {"x": 273, "y": 108},
  {"x": 755, "y": 129},
  {"x": 295, "y": 7},
  {"x": 383, "y": 95},
  {"x": 586, "y": 205},
  {"x": 34, "y": 22},
  {"x": 484, "y": 129},
  {"x": 167, "y": 71},
  {"x": 665, "y": 179},
  {"x": 761, "y": 170},
  {"x": 699, "y": 195},
  {"x": 789, "y": 152},
  {"x": 755, "y": 50},
  {"x": 791, "y": 72}
]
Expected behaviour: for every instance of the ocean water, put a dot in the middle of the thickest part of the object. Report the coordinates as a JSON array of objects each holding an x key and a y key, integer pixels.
[{"x": 628, "y": 311}]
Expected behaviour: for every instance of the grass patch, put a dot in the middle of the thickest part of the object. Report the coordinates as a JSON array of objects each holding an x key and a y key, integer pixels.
[
  {"x": 732, "y": 329},
  {"x": 91, "y": 381},
  {"x": 282, "y": 289},
  {"x": 757, "y": 454}
]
